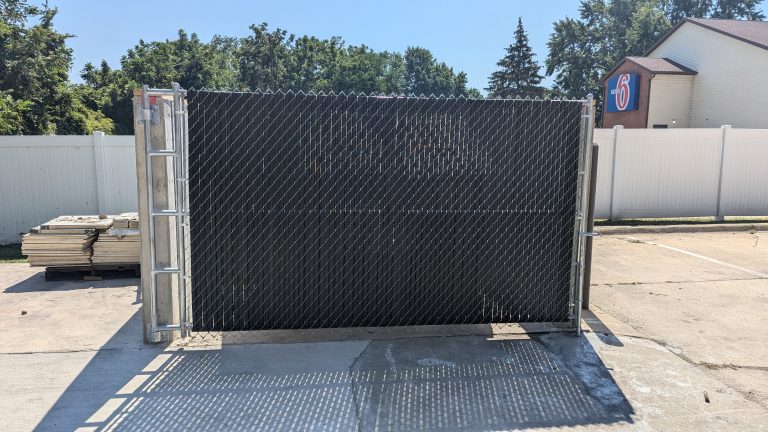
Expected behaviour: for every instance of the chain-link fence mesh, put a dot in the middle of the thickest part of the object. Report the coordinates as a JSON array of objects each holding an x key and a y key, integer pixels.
[{"x": 314, "y": 211}]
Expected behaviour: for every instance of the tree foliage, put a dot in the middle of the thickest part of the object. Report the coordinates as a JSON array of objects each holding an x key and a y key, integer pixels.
[
  {"x": 582, "y": 50},
  {"x": 12, "y": 113},
  {"x": 266, "y": 60},
  {"x": 736, "y": 9},
  {"x": 424, "y": 75},
  {"x": 37, "y": 97},
  {"x": 518, "y": 73}
]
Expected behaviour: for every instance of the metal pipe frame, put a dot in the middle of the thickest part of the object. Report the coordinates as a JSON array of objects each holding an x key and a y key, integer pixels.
[
  {"x": 585, "y": 291},
  {"x": 580, "y": 220},
  {"x": 181, "y": 192},
  {"x": 147, "y": 119},
  {"x": 179, "y": 212}
]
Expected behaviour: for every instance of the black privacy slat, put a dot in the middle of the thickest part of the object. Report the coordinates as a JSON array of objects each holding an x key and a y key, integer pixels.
[{"x": 313, "y": 211}]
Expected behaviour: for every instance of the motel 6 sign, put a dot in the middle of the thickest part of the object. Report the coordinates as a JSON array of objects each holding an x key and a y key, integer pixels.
[{"x": 623, "y": 92}]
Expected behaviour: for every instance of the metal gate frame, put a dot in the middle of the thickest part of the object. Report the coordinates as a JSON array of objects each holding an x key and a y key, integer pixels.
[
  {"x": 178, "y": 152},
  {"x": 582, "y": 208},
  {"x": 174, "y": 149}
]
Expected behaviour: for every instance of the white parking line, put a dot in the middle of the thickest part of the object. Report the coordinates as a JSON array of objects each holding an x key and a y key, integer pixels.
[{"x": 706, "y": 258}]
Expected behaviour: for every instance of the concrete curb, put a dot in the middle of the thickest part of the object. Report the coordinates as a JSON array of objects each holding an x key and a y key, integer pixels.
[{"x": 640, "y": 229}]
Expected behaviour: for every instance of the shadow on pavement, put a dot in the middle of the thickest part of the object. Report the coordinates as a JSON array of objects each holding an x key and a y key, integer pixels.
[
  {"x": 598, "y": 327},
  {"x": 430, "y": 383},
  {"x": 37, "y": 283}
]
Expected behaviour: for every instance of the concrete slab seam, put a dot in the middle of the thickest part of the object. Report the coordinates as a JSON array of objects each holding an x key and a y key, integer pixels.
[{"x": 353, "y": 383}]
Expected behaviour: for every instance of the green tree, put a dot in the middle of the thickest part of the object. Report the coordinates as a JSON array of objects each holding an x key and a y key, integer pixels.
[
  {"x": 308, "y": 65},
  {"x": 392, "y": 79},
  {"x": 110, "y": 91},
  {"x": 424, "y": 75},
  {"x": 186, "y": 60},
  {"x": 34, "y": 69},
  {"x": 518, "y": 73},
  {"x": 420, "y": 66},
  {"x": 12, "y": 114},
  {"x": 574, "y": 59},
  {"x": 736, "y": 9},
  {"x": 676, "y": 10},
  {"x": 649, "y": 23},
  {"x": 263, "y": 58},
  {"x": 358, "y": 69},
  {"x": 582, "y": 50}
]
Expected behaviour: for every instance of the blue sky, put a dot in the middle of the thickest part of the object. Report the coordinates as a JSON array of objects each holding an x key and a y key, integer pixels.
[{"x": 468, "y": 35}]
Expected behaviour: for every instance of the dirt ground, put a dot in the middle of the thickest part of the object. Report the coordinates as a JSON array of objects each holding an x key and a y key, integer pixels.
[{"x": 674, "y": 341}]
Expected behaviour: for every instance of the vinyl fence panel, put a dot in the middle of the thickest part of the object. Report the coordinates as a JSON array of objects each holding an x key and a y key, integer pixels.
[
  {"x": 745, "y": 172},
  {"x": 605, "y": 139},
  {"x": 666, "y": 173},
  {"x": 656, "y": 173},
  {"x": 42, "y": 177}
]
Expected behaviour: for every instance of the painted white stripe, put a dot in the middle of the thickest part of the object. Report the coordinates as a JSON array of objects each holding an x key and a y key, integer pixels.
[{"x": 706, "y": 258}]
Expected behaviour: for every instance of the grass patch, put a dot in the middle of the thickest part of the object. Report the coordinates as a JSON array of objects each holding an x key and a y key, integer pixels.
[{"x": 11, "y": 253}]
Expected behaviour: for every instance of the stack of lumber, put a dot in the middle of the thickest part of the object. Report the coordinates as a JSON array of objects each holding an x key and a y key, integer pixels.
[
  {"x": 120, "y": 244},
  {"x": 64, "y": 241}
]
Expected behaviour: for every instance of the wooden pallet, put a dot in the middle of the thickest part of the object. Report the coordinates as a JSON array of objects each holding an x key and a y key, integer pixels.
[{"x": 94, "y": 272}]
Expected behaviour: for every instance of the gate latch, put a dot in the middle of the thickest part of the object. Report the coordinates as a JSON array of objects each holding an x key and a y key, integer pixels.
[{"x": 589, "y": 234}]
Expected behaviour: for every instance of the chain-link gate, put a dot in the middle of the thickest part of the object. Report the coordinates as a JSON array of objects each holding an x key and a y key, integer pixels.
[{"x": 314, "y": 210}]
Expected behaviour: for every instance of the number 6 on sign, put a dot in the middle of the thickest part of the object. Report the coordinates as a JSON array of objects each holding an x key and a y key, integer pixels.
[{"x": 623, "y": 93}]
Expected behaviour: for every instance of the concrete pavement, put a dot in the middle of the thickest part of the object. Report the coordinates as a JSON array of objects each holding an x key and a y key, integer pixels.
[
  {"x": 668, "y": 328},
  {"x": 703, "y": 296}
]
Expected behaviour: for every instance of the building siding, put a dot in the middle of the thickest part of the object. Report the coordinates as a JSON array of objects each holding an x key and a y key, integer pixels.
[
  {"x": 730, "y": 85},
  {"x": 629, "y": 119},
  {"x": 670, "y": 101}
]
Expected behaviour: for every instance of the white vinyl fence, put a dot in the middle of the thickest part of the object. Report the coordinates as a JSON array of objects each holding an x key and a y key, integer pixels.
[
  {"x": 681, "y": 172},
  {"x": 42, "y": 177},
  {"x": 656, "y": 173}
]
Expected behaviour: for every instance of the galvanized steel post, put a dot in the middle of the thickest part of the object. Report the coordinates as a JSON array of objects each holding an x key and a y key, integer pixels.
[
  {"x": 585, "y": 151},
  {"x": 590, "y": 227}
]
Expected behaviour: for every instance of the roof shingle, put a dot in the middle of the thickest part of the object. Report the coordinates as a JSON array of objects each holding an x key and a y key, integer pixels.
[
  {"x": 661, "y": 65},
  {"x": 754, "y": 32}
]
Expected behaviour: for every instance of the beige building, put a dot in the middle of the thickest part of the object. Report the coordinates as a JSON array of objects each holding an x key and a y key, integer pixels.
[{"x": 703, "y": 73}]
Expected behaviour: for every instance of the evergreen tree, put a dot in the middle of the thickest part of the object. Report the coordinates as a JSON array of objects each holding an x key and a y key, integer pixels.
[{"x": 518, "y": 73}]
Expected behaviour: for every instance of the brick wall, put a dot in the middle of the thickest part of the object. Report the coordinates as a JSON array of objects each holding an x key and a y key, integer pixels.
[{"x": 629, "y": 119}]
